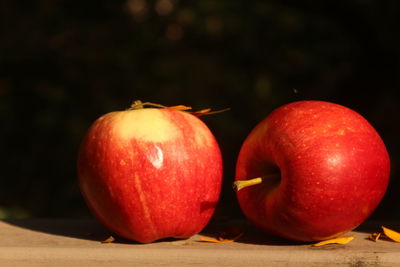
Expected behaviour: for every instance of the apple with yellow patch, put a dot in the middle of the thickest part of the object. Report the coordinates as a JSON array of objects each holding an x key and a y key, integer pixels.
[
  {"x": 311, "y": 170},
  {"x": 150, "y": 173}
]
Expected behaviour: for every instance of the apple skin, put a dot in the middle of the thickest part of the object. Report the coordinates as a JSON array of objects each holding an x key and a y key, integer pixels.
[
  {"x": 325, "y": 170},
  {"x": 149, "y": 174}
]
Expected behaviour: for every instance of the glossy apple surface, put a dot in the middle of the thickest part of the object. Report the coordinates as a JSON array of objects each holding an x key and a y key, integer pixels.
[
  {"x": 324, "y": 170},
  {"x": 149, "y": 174}
]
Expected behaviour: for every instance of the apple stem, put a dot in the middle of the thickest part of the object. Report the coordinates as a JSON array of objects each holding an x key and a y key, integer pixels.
[
  {"x": 240, "y": 184},
  {"x": 137, "y": 104}
]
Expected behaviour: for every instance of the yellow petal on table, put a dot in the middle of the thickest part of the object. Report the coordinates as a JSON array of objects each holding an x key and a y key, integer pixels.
[
  {"x": 110, "y": 239},
  {"x": 375, "y": 236},
  {"x": 392, "y": 235},
  {"x": 340, "y": 240},
  {"x": 213, "y": 240},
  {"x": 220, "y": 239}
]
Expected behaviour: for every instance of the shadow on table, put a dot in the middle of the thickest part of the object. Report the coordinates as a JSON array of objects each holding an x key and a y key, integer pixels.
[
  {"x": 81, "y": 229},
  {"x": 248, "y": 233},
  {"x": 251, "y": 235},
  {"x": 372, "y": 226},
  {"x": 92, "y": 230}
]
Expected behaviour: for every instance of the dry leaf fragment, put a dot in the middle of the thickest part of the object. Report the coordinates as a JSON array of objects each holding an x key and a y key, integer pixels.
[
  {"x": 207, "y": 111},
  {"x": 375, "y": 236},
  {"x": 220, "y": 239},
  {"x": 392, "y": 235},
  {"x": 213, "y": 240},
  {"x": 340, "y": 240},
  {"x": 110, "y": 239},
  {"x": 201, "y": 112},
  {"x": 180, "y": 107}
]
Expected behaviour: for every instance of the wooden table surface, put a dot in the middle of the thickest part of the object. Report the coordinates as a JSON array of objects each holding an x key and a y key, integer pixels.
[{"x": 41, "y": 242}]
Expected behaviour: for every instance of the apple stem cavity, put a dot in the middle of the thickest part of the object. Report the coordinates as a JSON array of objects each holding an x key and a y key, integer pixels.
[
  {"x": 137, "y": 104},
  {"x": 238, "y": 185}
]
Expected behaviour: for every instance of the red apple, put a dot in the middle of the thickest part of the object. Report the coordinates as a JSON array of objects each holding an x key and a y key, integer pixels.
[
  {"x": 320, "y": 170},
  {"x": 150, "y": 173}
]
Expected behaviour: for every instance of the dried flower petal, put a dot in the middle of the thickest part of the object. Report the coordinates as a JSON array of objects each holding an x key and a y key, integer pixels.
[
  {"x": 392, "y": 235},
  {"x": 213, "y": 240},
  {"x": 201, "y": 112},
  {"x": 340, "y": 240},
  {"x": 110, "y": 239},
  {"x": 375, "y": 236},
  {"x": 220, "y": 239},
  {"x": 207, "y": 112},
  {"x": 180, "y": 108}
]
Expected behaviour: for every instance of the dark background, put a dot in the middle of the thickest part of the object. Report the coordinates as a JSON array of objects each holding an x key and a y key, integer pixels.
[{"x": 65, "y": 63}]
